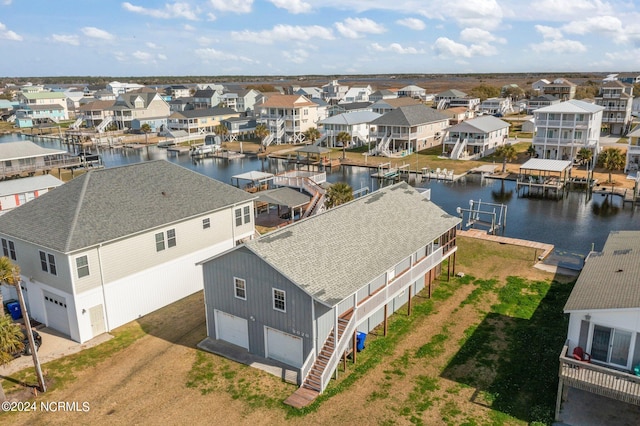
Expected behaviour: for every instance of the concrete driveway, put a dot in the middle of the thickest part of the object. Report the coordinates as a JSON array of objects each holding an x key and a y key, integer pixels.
[
  {"x": 54, "y": 345},
  {"x": 586, "y": 409}
]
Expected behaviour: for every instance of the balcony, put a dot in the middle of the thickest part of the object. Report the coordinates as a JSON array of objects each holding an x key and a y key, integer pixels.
[
  {"x": 613, "y": 120},
  {"x": 598, "y": 379}
]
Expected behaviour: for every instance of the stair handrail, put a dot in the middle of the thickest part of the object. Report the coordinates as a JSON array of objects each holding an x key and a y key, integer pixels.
[{"x": 339, "y": 346}]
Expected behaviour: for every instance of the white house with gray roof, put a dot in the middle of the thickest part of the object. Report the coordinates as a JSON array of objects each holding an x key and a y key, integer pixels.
[
  {"x": 298, "y": 295},
  {"x": 475, "y": 138},
  {"x": 16, "y": 192},
  {"x": 604, "y": 321},
  {"x": 115, "y": 244},
  {"x": 356, "y": 123}
]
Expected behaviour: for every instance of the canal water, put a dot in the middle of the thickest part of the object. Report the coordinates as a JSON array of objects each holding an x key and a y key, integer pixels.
[{"x": 576, "y": 223}]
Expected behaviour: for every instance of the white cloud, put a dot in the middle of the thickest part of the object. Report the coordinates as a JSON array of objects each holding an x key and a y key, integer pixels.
[
  {"x": 570, "y": 9},
  {"x": 478, "y": 35},
  {"x": 607, "y": 25},
  {"x": 6, "y": 2},
  {"x": 396, "y": 48},
  {"x": 559, "y": 46},
  {"x": 188, "y": 27},
  {"x": 446, "y": 47},
  {"x": 284, "y": 32},
  {"x": 211, "y": 17},
  {"x": 298, "y": 56},
  {"x": 237, "y": 6},
  {"x": 73, "y": 40},
  {"x": 413, "y": 23},
  {"x": 292, "y": 6},
  {"x": 94, "y": 32},
  {"x": 210, "y": 54},
  {"x": 151, "y": 45},
  {"x": 162, "y": 57},
  {"x": 8, "y": 34},
  {"x": 548, "y": 32},
  {"x": 357, "y": 27},
  {"x": 142, "y": 56},
  {"x": 486, "y": 14},
  {"x": 170, "y": 11}
]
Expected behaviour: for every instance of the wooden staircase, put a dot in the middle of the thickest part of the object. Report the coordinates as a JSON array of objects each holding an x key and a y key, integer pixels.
[{"x": 313, "y": 381}]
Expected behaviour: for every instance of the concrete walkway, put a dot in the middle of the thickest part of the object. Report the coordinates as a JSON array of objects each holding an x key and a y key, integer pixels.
[{"x": 546, "y": 249}]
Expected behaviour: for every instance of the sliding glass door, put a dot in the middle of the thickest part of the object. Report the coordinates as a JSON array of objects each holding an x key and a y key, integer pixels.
[{"x": 610, "y": 345}]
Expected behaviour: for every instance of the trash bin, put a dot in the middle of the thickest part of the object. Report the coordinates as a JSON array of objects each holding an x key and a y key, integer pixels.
[
  {"x": 360, "y": 338},
  {"x": 636, "y": 370},
  {"x": 14, "y": 310}
]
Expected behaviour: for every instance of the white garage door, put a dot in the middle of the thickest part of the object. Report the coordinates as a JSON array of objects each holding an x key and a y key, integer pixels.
[
  {"x": 232, "y": 329},
  {"x": 56, "y": 308},
  {"x": 284, "y": 347}
]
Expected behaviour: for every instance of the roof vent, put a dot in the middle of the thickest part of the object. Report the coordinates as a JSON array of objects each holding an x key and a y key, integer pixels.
[
  {"x": 164, "y": 194},
  {"x": 619, "y": 270}
]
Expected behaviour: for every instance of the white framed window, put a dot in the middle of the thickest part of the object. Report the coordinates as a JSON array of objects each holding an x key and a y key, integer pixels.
[
  {"x": 9, "y": 249},
  {"x": 168, "y": 242},
  {"x": 48, "y": 263},
  {"x": 247, "y": 214},
  {"x": 159, "y": 241},
  {"x": 279, "y": 300},
  {"x": 238, "y": 214},
  {"x": 206, "y": 223},
  {"x": 240, "y": 288},
  {"x": 82, "y": 266},
  {"x": 171, "y": 238}
]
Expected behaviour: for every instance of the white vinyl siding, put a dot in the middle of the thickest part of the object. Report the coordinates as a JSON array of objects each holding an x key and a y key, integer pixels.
[{"x": 82, "y": 266}]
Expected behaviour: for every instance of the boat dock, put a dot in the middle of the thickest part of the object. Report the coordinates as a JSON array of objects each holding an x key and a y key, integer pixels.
[{"x": 546, "y": 249}]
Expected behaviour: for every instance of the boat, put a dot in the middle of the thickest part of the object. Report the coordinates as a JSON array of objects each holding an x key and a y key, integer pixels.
[{"x": 212, "y": 144}]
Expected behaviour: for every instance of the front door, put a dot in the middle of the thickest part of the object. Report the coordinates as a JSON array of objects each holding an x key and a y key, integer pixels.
[{"x": 611, "y": 346}]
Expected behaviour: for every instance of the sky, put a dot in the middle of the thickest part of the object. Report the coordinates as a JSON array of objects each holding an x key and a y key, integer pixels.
[{"x": 321, "y": 37}]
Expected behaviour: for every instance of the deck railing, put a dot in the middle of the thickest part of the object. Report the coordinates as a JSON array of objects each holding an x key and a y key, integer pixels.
[
  {"x": 598, "y": 379},
  {"x": 47, "y": 165}
]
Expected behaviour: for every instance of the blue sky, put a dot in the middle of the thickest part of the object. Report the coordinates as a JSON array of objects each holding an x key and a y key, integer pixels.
[{"x": 292, "y": 37}]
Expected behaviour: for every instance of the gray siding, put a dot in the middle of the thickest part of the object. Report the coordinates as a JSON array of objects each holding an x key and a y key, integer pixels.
[
  {"x": 260, "y": 278},
  {"x": 324, "y": 323}
]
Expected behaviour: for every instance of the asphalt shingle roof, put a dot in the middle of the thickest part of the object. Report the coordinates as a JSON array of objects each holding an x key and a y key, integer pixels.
[
  {"x": 572, "y": 106},
  {"x": 484, "y": 124},
  {"x": 609, "y": 279},
  {"x": 334, "y": 254},
  {"x": 411, "y": 115},
  {"x": 107, "y": 204},
  {"x": 209, "y": 112}
]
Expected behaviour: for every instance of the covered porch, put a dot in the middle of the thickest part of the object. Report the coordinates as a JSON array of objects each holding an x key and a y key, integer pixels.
[
  {"x": 280, "y": 206},
  {"x": 252, "y": 181},
  {"x": 543, "y": 177}
]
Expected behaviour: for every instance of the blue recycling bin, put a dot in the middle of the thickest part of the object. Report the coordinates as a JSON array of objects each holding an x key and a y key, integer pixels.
[
  {"x": 14, "y": 310},
  {"x": 636, "y": 370},
  {"x": 360, "y": 338}
]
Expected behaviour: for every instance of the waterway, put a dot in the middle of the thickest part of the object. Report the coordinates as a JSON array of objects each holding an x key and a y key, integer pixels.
[{"x": 576, "y": 223}]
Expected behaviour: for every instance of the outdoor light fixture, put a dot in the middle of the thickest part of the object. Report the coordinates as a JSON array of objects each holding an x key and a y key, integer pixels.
[
  {"x": 587, "y": 317},
  {"x": 252, "y": 318}
]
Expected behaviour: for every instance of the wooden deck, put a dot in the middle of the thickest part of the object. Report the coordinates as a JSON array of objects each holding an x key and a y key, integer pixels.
[
  {"x": 475, "y": 233},
  {"x": 301, "y": 398}
]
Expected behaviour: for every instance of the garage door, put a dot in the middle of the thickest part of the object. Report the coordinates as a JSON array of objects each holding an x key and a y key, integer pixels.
[
  {"x": 284, "y": 347},
  {"x": 56, "y": 308},
  {"x": 232, "y": 329}
]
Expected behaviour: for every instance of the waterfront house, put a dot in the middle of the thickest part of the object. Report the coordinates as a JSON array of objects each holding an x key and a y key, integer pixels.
[
  {"x": 455, "y": 98},
  {"x": 274, "y": 299},
  {"x": 94, "y": 113},
  {"x": 239, "y": 127},
  {"x": 564, "y": 128},
  {"x": 176, "y": 91},
  {"x": 16, "y": 192},
  {"x": 199, "y": 121},
  {"x": 496, "y": 106},
  {"x": 356, "y": 94},
  {"x": 205, "y": 98},
  {"x": 21, "y": 158},
  {"x": 541, "y": 101},
  {"x": 629, "y": 78},
  {"x": 357, "y": 124},
  {"x": 348, "y": 107},
  {"x": 561, "y": 88},
  {"x": 114, "y": 244},
  {"x": 409, "y": 129},
  {"x": 475, "y": 138},
  {"x": 539, "y": 85},
  {"x": 604, "y": 322},
  {"x": 616, "y": 98},
  {"x": 412, "y": 91},
  {"x": 40, "y": 106},
  {"x": 632, "y": 164},
  {"x": 137, "y": 107},
  {"x": 287, "y": 117}
]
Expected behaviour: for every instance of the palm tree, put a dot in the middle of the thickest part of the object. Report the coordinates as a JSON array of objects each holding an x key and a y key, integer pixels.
[
  {"x": 11, "y": 341},
  {"x": 262, "y": 132},
  {"x": 507, "y": 153},
  {"x": 312, "y": 134},
  {"x": 7, "y": 273},
  {"x": 338, "y": 193},
  {"x": 585, "y": 155},
  {"x": 344, "y": 138},
  {"x": 146, "y": 129},
  {"x": 531, "y": 151},
  {"x": 612, "y": 159}
]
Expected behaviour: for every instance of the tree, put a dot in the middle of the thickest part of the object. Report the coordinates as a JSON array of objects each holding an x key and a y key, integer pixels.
[
  {"x": 485, "y": 91},
  {"x": 222, "y": 131},
  {"x": 7, "y": 273},
  {"x": 262, "y": 132},
  {"x": 508, "y": 153},
  {"x": 612, "y": 159},
  {"x": 339, "y": 193},
  {"x": 344, "y": 138},
  {"x": 146, "y": 129},
  {"x": 312, "y": 134},
  {"x": 11, "y": 342},
  {"x": 531, "y": 151},
  {"x": 585, "y": 155}
]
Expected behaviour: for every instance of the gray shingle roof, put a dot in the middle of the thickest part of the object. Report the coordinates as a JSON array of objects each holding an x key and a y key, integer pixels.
[
  {"x": 334, "y": 254},
  {"x": 609, "y": 279},
  {"x": 104, "y": 205},
  {"x": 209, "y": 112},
  {"x": 411, "y": 115},
  {"x": 484, "y": 124}
]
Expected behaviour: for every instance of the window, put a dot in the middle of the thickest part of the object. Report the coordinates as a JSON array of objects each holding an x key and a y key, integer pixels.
[
  {"x": 238, "y": 217},
  {"x": 9, "y": 249},
  {"x": 48, "y": 263},
  {"x": 247, "y": 214},
  {"x": 82, "y": 265},
  {"x": 240, "y": 288},
  {"x": 206, "y": 223},
  {"x": 279, "y": 300},
  {"x": 171, "y": 238},
  {"x": 159, "y": 241}
]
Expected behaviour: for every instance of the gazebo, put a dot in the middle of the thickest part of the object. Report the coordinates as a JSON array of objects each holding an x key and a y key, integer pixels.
[
  {"x": 544, "y": 176},
  {"x": 314, "y": 154},
  {"x": 294, "y": 202},
  {"x": 255, "y": 180}
]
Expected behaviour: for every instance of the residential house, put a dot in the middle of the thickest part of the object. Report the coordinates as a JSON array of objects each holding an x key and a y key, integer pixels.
[
  {"x": 629, "y": 78},
  {"x": 273, "y": 299},
  {"x": 409, "y": 129},
  {"x": 529, "y": 126},
  {"x": 541, "y": 101},
  {"x": 178, "y": 91},
  {"x": 287, "y": 117},
  {"x": 322, "y": 108},
  {"x": 443, "y": 99},
  {"x": 205, "y": 98},
  {"x": 333, "y": 91},
  {"x": 16, "y": 192},
  {"x": 412, "y": 91},
  {"x": 604, "y": 322},
  {"x": 339, "y": 108},
  {"x": 199, "y": 121},
  {"x": 39, "y": 106},
  {"x": 241, "y": 100},
  {"x": 617, "y": 99},
  {"x": 96, "y": 112},
  {"x": 383, "y": 106},
  {"x": 561, "y": 88},
  {"x": 118, "y": 88},
  {"x": 357, "y": 124},
  {"x": 496, "y": 106},
  {"x": 134, "y": 108},
  {"x": 115, "y": 244},
  {"x": 239, "y": 127},
  {"x": 26, "y": 158},
  {"x": 379, "y": 95},
  {"x": 458, "y": 114},
  {"x": 182, "y": 104},
  {"x": 475, "y": 138},
  {"x": 104, "y": 95},
  {"x": 633, "y": 151},
  {"x": 356, "y": 94},
  {"x": 469, "y": 102},
  {"x": 308, "y": 92},
  {"x": 7, "y": 109},
  {"x": 74, "y": 99},
  {"x": 562, "y": 129}
]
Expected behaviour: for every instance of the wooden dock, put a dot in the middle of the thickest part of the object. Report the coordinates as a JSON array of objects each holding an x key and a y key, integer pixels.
[
  {"x": 178, "y": 149},
  {"x": 475, "y": 233},
  {"x": 301, "y": 398}
]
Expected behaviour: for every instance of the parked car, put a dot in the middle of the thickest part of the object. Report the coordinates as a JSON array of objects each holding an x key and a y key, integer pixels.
[{"x": 37, "y": 339}]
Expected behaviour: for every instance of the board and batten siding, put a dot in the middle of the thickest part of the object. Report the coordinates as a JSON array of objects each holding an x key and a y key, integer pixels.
[{"x": 260, "y": 279}]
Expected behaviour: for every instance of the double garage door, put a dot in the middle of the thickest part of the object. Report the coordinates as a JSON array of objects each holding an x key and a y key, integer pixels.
[{"x": 57, "y": 316}]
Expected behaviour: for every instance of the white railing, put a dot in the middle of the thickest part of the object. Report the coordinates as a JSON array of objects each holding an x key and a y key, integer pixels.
[
  {"x": 104, "y": 124},
  {"x": 306, "y": 367},
  {"x": 76, "y": 124},
  {"x": 339, "y": 347},
  {"x": 295, "y": 178},
  {"x": 267, "y": 140},
  {"x": 458, "y": 148}
]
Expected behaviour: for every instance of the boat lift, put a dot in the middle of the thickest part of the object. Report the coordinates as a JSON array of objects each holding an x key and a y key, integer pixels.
[{"x": 491, "y": 215}]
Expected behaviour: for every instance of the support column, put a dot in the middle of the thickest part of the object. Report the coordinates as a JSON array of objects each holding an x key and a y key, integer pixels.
[
  {"x": 409, "y": 302},
  {"x": 454, "y": 262},
  {"x": 559, "y": 399},
  {"x": 385, "y": 320},
  {"x": 355, "y": 346}
]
